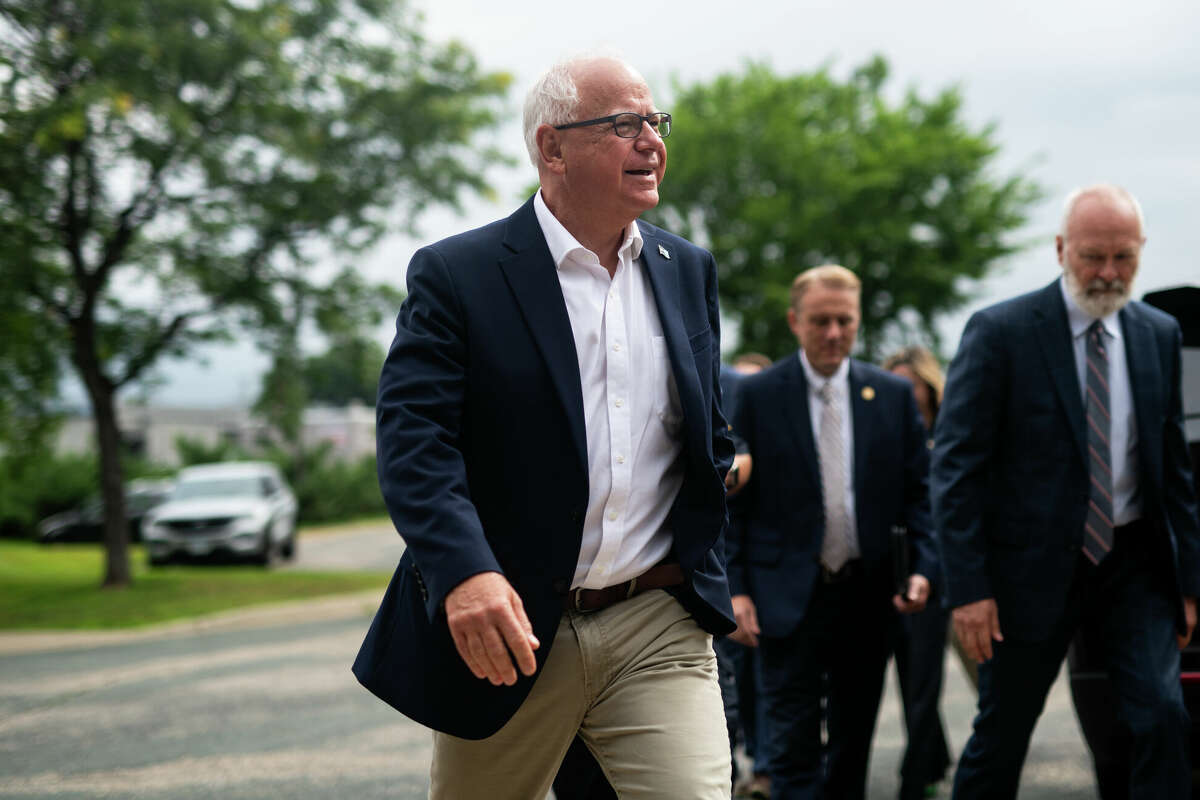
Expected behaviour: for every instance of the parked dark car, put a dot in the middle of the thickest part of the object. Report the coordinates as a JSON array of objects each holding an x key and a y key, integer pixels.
[
  {"x": 86, "y": 523},
  {"x": 1090, "y": 689}
]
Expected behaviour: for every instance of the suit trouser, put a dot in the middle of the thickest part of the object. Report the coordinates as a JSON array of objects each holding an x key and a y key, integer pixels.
[
  {"x": 1128, "y": 610},
  {"x": 839, "y": 651},
  {"x": 638, "y": 682},
  {"x": 748, "y": 713},
  {"x": 920, "y": 663}
]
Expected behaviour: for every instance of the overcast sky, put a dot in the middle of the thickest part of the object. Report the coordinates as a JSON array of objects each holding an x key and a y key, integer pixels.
[{"x": 1078, "y": 93}]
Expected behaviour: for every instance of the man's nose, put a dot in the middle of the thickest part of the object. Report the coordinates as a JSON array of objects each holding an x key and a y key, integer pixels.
[{"x": 1108, "y": 270}]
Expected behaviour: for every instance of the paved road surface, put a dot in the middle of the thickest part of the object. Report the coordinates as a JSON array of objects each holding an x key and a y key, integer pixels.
[{"x": 261, "y": 704}]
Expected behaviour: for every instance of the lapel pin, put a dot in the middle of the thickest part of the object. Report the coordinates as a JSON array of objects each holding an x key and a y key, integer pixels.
[
  {"x": 868, "y": 393},
  {"x": 662, "y": 251}
]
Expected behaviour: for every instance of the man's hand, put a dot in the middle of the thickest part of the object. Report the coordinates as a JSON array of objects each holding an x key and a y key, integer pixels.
[
  {"x": 977, "y": 625},
  {"x": 1189, "y": 617},
  {"x": 738, "y": 474},
  {"x": 488, "y": 622},
  {"x": 747, "y": 620},
  {"x": 915, "y": 597}
]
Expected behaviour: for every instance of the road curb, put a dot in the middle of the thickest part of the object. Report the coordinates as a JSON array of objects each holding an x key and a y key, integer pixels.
[{"x": 322, "y": 609}]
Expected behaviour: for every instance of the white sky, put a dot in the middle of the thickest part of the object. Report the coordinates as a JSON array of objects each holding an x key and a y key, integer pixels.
[{"x": 1078, "y": 93}]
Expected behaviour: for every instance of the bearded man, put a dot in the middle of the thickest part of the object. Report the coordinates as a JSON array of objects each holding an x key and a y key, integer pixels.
[{"x": 1062, "y": 497}]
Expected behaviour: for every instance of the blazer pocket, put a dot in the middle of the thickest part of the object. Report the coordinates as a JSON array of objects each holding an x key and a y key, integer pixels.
[{"x": 699, "y": 340}]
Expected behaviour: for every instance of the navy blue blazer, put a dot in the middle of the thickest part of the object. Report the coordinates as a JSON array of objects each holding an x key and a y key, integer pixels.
[
  {"x": 778, "y": 521},
  {"x": 1009, "y": 475},
  {"x": 482, "y": 455}
]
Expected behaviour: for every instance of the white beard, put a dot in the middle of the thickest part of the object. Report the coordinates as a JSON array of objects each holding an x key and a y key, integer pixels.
[{"x": 1099, "y": 298}]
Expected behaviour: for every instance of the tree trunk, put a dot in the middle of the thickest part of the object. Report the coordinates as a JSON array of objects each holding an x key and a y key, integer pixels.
[
  {"x": 102, "y": 394},
  {"x": 112, "y": 490}
]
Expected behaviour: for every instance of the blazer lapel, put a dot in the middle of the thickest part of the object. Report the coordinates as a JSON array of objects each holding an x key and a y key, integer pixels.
[
  {"x": 664, "y": 281},
  {"x": 862, "y": 422},
  {"x": 795, "y": 400},
  {"x": 1054, "y": 336},
  {"x": 1145, "y": 384},
  {"x": 533, "y": 279}
]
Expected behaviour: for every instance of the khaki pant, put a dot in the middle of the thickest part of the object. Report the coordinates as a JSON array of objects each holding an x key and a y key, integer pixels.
[{"x": 638, "y": 681}]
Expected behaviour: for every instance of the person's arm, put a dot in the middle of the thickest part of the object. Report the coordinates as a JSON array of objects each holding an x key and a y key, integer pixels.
[
  {"x": 722, "y": 439},
  {"x": 964, "y": 447},
  {"x": 423, "y": 477}
]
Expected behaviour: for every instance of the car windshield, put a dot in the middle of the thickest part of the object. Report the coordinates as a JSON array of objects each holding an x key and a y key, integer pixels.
[{"x": 218, "y": 487}]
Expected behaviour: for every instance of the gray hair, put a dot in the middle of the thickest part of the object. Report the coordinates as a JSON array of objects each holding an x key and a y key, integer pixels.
[
  {"x": 554, "y": 98},
  {"x": 1107, "y": 189}
]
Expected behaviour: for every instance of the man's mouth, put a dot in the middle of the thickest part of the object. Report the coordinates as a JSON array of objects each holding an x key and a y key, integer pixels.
[{"x": 638, "y": 172}]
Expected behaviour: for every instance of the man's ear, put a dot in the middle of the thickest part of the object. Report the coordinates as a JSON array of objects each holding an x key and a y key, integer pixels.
[{"x": 549, "y": 145}]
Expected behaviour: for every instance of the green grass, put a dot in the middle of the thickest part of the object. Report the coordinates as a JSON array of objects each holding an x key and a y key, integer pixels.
[{"x": 58, "y": 587}]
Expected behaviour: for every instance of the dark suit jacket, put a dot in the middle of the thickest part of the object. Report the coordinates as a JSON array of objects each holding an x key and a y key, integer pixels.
[
  {"x": 483, "y": 457},
  {"x": 1010, "y": 480},
  {"x": 778, "y": 520}
]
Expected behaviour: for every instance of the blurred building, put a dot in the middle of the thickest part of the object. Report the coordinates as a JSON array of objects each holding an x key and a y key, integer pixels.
[{"x": 152, "y": 431}]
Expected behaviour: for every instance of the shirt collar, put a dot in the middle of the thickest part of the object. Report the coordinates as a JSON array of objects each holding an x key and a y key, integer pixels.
[
  {"x": 839, "y": 379},
  {"x": 1079, "y": 320},
  {"x": 563, "y": 244}
]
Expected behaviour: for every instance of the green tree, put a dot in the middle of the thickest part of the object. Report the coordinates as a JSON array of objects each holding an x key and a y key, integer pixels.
[
  {"x": 169, "y": 166},
  {"x": 779, "y": 173},
  {"x": 347, "y": 372}
]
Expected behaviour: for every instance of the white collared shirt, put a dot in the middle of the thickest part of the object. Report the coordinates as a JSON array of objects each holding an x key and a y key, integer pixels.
[
  {"x": 839, "y": 382},
  {"x": 1127, "y": 501},
  {"x": 631, "y": 408}
]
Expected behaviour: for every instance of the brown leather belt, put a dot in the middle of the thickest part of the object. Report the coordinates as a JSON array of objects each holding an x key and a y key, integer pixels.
[{"x": 659, "y": 576}]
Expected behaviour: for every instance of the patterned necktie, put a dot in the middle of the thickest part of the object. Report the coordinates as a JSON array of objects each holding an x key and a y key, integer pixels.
[
  {"x": 1098, "y": 529},
  {"x": 835, "y": 547}
]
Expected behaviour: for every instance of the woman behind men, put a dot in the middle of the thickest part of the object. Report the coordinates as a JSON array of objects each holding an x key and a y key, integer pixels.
[{"x": 921, "y": 639}]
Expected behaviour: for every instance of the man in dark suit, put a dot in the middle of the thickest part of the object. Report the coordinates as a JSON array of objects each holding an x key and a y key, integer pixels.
[
  {"x": 551, "y": 450},
  {"x": 839, "y": 461},
  {"x": 1062, "y": 497}
]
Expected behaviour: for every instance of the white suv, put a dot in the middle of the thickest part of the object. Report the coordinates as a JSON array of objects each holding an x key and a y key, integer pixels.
[{"x": 243, "y": 509}]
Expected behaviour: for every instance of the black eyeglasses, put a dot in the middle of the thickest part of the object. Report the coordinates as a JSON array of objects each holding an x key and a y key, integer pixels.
[{"x": 627, "y": 124}]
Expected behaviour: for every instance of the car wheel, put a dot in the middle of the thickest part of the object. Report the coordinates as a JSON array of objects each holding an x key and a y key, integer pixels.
[
  {"x": 288, "y": 549},
  {"x": 267, "y": 549}
]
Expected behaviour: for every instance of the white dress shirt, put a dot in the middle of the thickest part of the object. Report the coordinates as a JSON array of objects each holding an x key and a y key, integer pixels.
[
  {"x": 1127, "y": 501},
  {"x": 839, "y": 382},
  {"x": 631, "y": 408}
]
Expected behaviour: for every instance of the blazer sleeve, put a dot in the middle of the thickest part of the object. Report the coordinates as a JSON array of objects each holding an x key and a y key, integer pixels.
[
  {"x": 723, "y": 441},
  {"x": 964, "y": 446},
  {"x": 419, "y": 412},
  {"x": 1179, "y": 488}
]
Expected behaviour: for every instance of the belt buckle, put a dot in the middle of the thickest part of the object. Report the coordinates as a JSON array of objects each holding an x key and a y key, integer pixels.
[{"x": 576, "y": 596}]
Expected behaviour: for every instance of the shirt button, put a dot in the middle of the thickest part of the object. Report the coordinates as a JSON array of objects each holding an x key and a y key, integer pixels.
[
  {"x": 617, "y": 347},
  {"x": 612, "y": 515},
  {"x": 619, "y": 402},
  {"x": 620, "y": 459}
]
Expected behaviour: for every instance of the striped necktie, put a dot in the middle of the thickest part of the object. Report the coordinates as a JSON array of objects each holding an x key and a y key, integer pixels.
[
  {"x": 1098, "y": 528},
  {"x": 836, "y": 547}
]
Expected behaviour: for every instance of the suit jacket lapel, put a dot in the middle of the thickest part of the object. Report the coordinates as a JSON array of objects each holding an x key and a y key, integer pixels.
[
  {"x": 1145, "y": 384},
  {"x": 795, "y": 399},
  {"x": 664, "y": 281},
  {"x": 1054, "y": 335},
  {"x": 533, "y": 278},
  {"x": 862, "y": 422}
]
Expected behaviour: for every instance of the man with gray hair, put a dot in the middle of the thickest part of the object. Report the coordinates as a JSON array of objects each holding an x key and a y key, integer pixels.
[
  {"x": 551, "y": 448},
  {"x": 1062, "y": 497}
]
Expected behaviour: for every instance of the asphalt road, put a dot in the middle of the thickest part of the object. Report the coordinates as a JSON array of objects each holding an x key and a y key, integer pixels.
[{"x": 261, "y": 704}]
